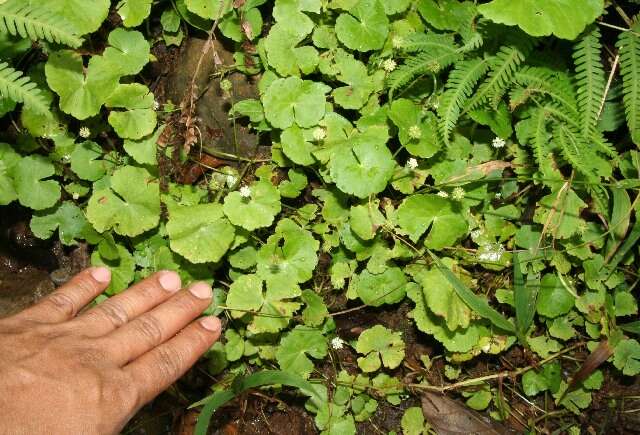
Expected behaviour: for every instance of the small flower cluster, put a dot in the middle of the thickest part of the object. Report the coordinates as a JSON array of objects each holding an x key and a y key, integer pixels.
[
  {"x": 412, "y": 164},
  {"x": 226, "y": 85},
  {"x": 319, "y": 134},
  {"x": 498, "y": 143},
  {"x": 415, "y": 132},
  {"x": 389, "y": 65},
  {"x": 337, "y": 343},
  {"x": 84, "y": 132},
  {"x": 458, "y": 193},
  {"x": 245, "y": 192}
]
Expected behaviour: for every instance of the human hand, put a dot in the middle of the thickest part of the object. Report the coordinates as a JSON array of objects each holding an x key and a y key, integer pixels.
[{"x": 67, "y": 373}]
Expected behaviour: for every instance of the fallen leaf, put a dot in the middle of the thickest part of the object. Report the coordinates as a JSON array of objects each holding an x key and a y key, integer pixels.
[{"x": 450, "y": 417}]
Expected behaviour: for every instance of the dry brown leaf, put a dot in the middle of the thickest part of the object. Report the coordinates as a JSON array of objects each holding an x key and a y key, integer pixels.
[
  {"x": 595, "y": 359},
  {"x": 450, "y": 417},
  {"x": 481, "y": 170}
]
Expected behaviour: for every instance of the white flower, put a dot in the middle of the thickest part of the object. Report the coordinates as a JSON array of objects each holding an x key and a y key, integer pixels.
[
  {"x": 231, "y": 180},
  {"x": 435, "y": 104},
  {"x": 66, "y": 157},
  {"x": 476, "y": 233},
  {"x": 443, "y": 194},
  {"x": 337, "y": 343},
  {"x": 397, "y": 41},
  {"x": 498, "y": 142},
  {"x": 415, "y": 132},
  {"x": 498, "y": 195},
  {"x": 84, "y": 132},
  {"x": 458, "y": 193},
  {"x": 412, "y": 163},
  {"x": 156, "y": 105},
  {"x": 319, "y": 134},
  {"x": 226, "y": 85},
  {"x": 389, "y": 65},
  {"x": 491, "y": 252},
  {"x": 76, "y": 196},
  {"x": 245, "y": 192}
]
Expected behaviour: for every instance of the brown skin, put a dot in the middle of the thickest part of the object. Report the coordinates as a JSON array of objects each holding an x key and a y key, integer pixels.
[{"x": 67, "y": 373}]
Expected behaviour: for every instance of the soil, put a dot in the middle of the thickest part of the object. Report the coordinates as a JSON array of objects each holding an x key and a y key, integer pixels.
[{"x": 31, "y": 268}]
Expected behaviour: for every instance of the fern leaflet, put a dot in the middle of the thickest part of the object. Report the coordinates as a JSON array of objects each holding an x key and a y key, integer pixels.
[
  {"x": 417, "y": 42},
  {"x": 21, "y": 89},
  {"x": 629, "y": 49},
  {"x": 575, "y": 151},
  {"x": 502, "y": 72},
  {"x": 590, "y": 79},
  {"x": 459, "y": 87},
  {"x": 419, "y": 65},
  {"x": 542, "y": 81},
  {"x": 29, "y": 21}
]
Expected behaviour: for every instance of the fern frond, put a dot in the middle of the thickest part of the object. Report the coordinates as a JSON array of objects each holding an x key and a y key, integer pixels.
[
  {"x": 18, "y": 17},
  {"x": 597, "y": 138},
  {"x": 472, "y": 33},
  {"x": 428, "y": 62},
  {"x": 21, "y": 89},
  {"x": 538, "y": 80},
  {"x": 540, "y": 135},
  {"x": 421, "y": 42},
  {"x": 459, "y": 87},
  {"x": 590, "y": 80},
  {"x": 575, "y": 151},
  {"x": 629, "y": 50},
  {"x": 501, "y": 75}
]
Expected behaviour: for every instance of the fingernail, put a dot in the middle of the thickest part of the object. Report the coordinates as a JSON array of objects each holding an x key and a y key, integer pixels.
[
  {"x": 101, "y": 274},
  {"x": 170, "y": 281},
  {"x": 210, "y": 324},
  {"x": 201, "y": 290}
]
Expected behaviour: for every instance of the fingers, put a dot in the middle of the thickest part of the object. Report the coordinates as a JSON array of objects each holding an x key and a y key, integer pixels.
[
  {"x": 68, "y": 300},
  {"x": 155, "y": 371},
  {"x": 150, "y": 330},
  {"x": 126, "y": 306}
]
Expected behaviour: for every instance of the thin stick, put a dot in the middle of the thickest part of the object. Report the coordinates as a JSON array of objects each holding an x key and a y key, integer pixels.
[
  {"x": 623, "y": 14},
  {"x": 606, "y": 90},
  {"x": 501, "y": 375}
]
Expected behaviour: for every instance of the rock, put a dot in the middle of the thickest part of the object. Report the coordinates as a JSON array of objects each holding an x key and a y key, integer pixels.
[{"x": 212, "y": 104}]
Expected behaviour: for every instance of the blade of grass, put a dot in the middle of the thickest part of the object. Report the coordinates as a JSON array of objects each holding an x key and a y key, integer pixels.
[
  {"x": 629, "y": 243},
  {"x": 244, "y": 383},
  {"x": 633, "y": 327},
  {"x": 475, "y": 302},
  {"x": 525, "y": 294}
]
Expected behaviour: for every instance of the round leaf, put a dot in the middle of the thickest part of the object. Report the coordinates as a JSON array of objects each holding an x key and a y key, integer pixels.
[
  {"x": 29, "y": 180},
  {"x": 130, "y": 204},
  {"x": 364, "y": 168},
  {"x": 365, "y": 28},
  {"x": 296, "y": 345},
  {"x": 200, "y": 233},
  {"x": 553, "y": 299},
  {"x": 378, "y": 289},
  {"x": 419, "y": 212},
  {"x": 563, "y": 18},
  {"x": 257, "y": 211},
  {"x": 293, "y": 100}
]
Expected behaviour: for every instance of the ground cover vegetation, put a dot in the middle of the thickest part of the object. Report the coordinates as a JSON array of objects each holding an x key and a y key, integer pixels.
[{"x": 473, "y": 163}]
